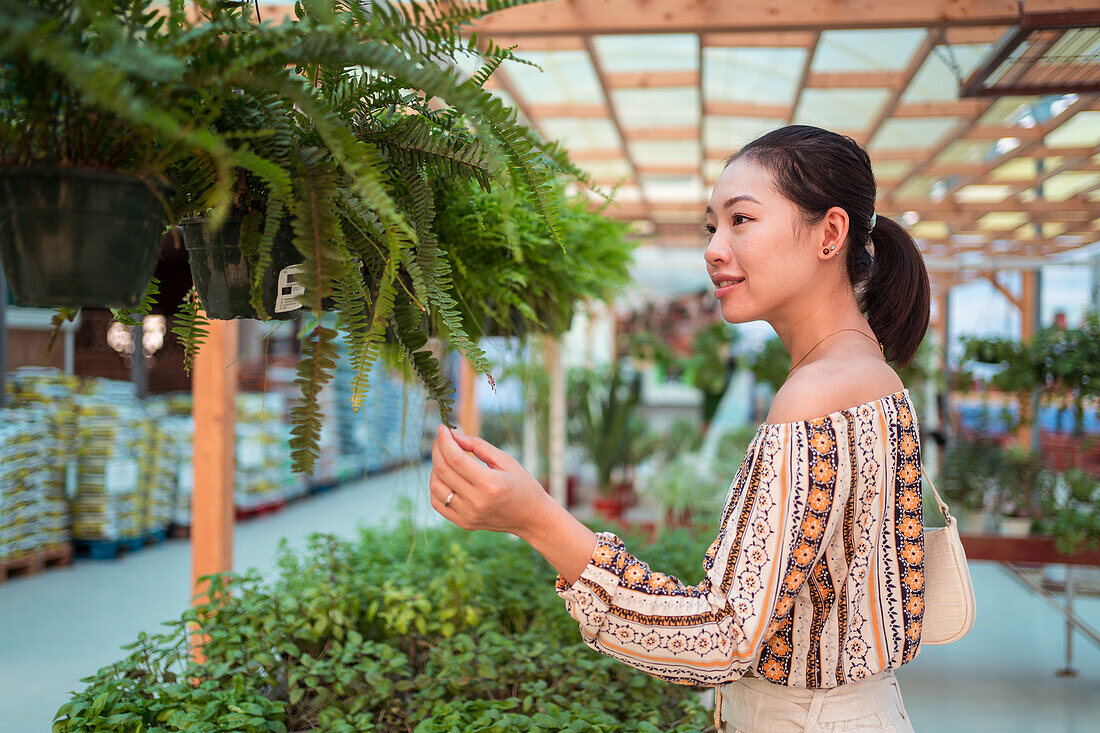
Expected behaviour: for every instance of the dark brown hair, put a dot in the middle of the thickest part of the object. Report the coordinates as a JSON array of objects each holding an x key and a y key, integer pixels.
[{"x": 817, "y": 169}]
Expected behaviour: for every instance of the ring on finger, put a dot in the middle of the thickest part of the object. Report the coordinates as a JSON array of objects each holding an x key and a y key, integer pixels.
[{"x": 448, "y": 501}]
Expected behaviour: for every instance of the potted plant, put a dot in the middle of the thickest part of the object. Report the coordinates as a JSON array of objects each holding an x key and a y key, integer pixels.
[
  {"x": 710, "y": 366},
  {"x": 83, "y": 187},
  {"x": 365, "y": 126},
  {"x": 969, "y": 472},
  {"x": 1021, "y": 486},
  {"x": 1071, "y": 512},
  {"x": 685, "y": 488},
  {"x": 613, "y": 434}
]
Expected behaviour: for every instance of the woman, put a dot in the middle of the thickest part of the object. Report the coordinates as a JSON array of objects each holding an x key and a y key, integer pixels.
[{"x": 813, "y": 588}]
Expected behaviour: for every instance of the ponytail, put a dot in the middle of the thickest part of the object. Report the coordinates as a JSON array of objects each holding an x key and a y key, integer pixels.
[{"x": 895, "y": 295}]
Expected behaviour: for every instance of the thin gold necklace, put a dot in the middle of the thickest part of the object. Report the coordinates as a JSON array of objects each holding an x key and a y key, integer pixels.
[{"x": 882, "y": 350}]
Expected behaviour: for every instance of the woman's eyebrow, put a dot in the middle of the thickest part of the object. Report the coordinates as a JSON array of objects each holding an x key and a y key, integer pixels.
[{"x": 733, "y": 200}]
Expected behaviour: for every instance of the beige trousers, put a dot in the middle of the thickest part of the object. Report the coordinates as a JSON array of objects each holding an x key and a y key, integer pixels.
[{"x": 754, "y": 705}]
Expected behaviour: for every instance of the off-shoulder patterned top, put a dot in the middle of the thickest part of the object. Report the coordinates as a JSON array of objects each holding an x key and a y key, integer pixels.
[{"x": 816, "y": 577}]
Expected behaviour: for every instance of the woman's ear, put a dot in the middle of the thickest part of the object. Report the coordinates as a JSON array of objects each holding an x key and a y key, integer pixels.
[{"x": 833, "y": 231}]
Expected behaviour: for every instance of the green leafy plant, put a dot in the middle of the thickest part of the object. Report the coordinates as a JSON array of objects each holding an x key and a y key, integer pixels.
[
  {"x": 607, "y": 422},
  {"x": 347, "y": 121},
  {"x": 395, "y": 631},
  {"x": 686, "y": 487},
  {"x": 1022, "y": 482},
  {"x": 770, "y": 363},
  {"x": 1071, "y": 512},
  {"x": 969, "y": 474}
]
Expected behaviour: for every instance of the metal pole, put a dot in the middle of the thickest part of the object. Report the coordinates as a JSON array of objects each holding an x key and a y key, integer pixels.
[
  {"x": 1068, "y": 670},
  {"x": 137, "y": 364}
]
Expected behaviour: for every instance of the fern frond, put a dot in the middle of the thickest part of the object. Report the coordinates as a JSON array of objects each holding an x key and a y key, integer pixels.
[
  {"x": 191, "y": 327},
  {"x": 129, "y": 316}
]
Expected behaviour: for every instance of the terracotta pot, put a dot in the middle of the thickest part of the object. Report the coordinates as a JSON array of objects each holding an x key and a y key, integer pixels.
[{"x": 610, "y": 507}]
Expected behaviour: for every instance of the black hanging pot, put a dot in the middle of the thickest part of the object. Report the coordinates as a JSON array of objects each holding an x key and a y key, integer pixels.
[
  {"x": 222, "y": 272},
  {"x": 79, "y": 238}
]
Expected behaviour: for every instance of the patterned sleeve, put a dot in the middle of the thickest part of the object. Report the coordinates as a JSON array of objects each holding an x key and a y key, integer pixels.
[{"x": 787, "y": 498}]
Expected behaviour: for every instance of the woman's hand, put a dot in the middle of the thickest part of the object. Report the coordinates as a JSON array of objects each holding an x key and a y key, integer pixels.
[{"x": 494, "y": 493}]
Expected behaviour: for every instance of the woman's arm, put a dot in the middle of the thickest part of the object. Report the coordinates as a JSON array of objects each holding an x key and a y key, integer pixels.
[
  {"x": 498, "y": 494},
  {"x": 789, "y": 496}
]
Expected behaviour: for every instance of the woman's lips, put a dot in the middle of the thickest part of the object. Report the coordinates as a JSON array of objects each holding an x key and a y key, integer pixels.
[{"x": 726, "y": 288}]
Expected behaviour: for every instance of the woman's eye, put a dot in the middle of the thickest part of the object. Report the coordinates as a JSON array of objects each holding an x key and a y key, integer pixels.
[
  {"x": 741, "y": 217},
  {"x": 709, "y": 229}
]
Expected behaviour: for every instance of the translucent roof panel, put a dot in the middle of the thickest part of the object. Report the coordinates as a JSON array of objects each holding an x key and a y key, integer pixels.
[
  {"x": 672, "y": 52},
  {"x": 1008, "y": 111},
  {"x": 935, "y": 81},
  {"x": 754, "y": 75},
  {"x": 866, "y": 50},
  {"x": 967, "y": 151},
  {"x": 1001, "y": 220},
  {"x": 843, "y": 109},
  {"x": 727, "y": 134},
  {"x": 673, "y": 188},
  {"x": 567, "y": 76},
  {"x": 890, "y": 170},
  {"x": 929, "y": 230},
  {"x": 607, "y": 170},
  {"x": 916, "y": 187},
  {"x": 664, "y": 152},
  {"x": 1082, "y": 130},
  {"x": 665, "y": 107},
  {"x": 578, "y": 133},
  {"x": 1015, "y": 169},
  {"x": 1060, "y": 187},
  {"x": 989, "y": 193},
  {"x": 919, "y": 132}
]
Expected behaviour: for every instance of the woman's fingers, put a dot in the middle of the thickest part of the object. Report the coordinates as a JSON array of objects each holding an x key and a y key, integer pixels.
[
  {"x": 443, "y": 468},
  {"x": 489, "y": 454},
  {"x": 465, "y": 465}
]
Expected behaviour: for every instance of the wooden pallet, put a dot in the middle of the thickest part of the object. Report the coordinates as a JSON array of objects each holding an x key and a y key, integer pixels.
[
  {"x": 179, "y": 531},
  {"x": 260, "y": 510},
  {"x": 33, "y": 563},
  {"x": 107, "y": 549}
]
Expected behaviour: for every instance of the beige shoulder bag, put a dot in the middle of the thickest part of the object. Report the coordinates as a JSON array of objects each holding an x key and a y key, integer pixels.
[{"x": 948, "y": 594}]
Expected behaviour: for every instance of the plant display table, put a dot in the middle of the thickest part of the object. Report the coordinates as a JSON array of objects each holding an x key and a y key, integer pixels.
[{"x": 1015, "y": 553}]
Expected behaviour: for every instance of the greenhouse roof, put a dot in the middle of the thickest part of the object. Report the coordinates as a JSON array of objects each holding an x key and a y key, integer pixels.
[{"x": 651, "y": 95}]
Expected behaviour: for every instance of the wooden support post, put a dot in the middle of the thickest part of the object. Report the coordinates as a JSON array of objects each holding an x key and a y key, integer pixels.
[
  {"x": 214, "y": 389},
  {"x": 469, "y": 420},
  {"x": 552, "y": 346}
]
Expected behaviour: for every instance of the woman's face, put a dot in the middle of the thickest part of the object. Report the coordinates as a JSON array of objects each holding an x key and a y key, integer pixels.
[{"x": 754, "y": 232}]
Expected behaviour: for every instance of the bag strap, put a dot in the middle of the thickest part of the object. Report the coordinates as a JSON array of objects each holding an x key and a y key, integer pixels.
[{"x": 939, "y": 501}]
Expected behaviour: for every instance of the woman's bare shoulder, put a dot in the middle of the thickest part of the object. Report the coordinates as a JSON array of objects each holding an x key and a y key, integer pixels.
[{"x": 830, "y": 385}]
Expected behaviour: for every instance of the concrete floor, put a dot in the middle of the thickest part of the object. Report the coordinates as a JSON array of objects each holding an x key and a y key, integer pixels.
[{"x": 64, "y": 624}]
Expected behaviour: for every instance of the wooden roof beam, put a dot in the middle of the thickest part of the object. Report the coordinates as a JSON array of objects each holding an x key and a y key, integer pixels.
[
  {"x": 569, "y": 109},
  {"x": 729, "y": 108},
  {"x": 957, "y": 108},
  {"x": 759, "y": 39},
  {"x": 855, "y": 79},
  {"x": 601, "y": 76},
  {"x": 564, "y": 17},
  {"x": 811, "y": 51},
  {"x": 651, "y": 79}
]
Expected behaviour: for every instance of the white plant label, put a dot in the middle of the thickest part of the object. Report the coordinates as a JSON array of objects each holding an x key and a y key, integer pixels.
[{"x": 290, "y": 289}]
